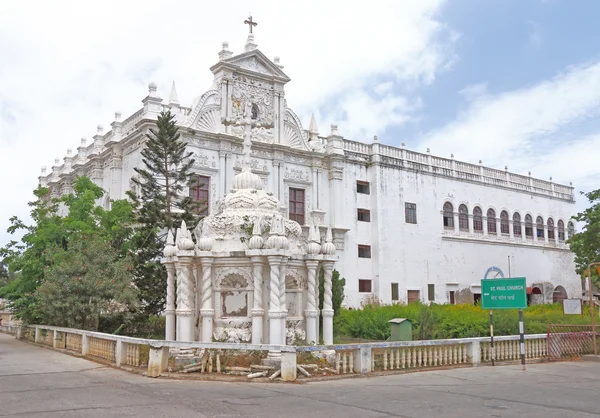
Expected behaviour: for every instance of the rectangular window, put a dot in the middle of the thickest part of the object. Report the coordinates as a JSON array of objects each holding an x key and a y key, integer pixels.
[
  {"x": 364, "y": 286},
  {"x": 364, "y": 251},
  {"x": 297, "y": 205},
  {"x": 410, "y": 213},
  {"x": 452, "y": 299},
  {"x": 364, "y": 215},
  {"x": 476, "y": 298},
  {"x": 395, "y": 291},
  {"x": 363, "y": 187},
  {"x": 431, "y": 292},
  {"x": 413, "y": 296},
  {"x": 199, "y": 192}
]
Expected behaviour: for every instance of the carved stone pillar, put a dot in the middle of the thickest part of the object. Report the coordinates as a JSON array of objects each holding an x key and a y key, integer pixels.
[
  {"x": 275, "y": 314},
  {"x": 257, "y": 310},
  {"x": 170, "y": 308},
  {"x": 207, "y": 310},
  {"x": 312, "y": 303},
  {"x": 328, "y": 304},
  {"x": 282, "y": 299},
  {"x": 184, "y": 311}
]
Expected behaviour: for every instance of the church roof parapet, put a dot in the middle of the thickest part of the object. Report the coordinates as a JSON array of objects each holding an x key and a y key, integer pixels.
[{"x": 425, "y": 162}]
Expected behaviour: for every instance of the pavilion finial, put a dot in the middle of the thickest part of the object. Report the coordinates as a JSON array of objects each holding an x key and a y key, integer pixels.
[{"x": 173, "y": 97}]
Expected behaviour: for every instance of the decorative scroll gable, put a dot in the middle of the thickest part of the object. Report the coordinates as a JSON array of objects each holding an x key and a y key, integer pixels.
[{"x": 255, "y": 62}]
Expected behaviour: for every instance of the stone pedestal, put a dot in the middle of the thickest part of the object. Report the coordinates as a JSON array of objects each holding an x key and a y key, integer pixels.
[
  {"x": 275, "y": 327},
  {"x": 327, "y": 326},
  {"x": 207, "y": 324},
  {"x": 312, "y": 319},
  {"x": 257, "y": 326}
]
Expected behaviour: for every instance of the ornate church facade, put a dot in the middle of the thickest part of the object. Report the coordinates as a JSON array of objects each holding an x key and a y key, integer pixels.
[{"x": 405, "y": 225}]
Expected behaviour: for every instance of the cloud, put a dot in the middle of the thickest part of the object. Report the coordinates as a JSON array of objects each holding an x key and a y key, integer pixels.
[
  {"x": 71, "y": 65},
  {"x": 515, "y": 126},
  {"x": 473, "y": 91}
]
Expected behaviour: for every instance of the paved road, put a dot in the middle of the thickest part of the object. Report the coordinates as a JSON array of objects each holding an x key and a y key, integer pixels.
[{"x": 36, "y": 382}]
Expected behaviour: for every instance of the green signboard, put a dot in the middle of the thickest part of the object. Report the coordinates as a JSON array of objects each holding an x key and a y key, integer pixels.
[{"x": 508, "y": 293}]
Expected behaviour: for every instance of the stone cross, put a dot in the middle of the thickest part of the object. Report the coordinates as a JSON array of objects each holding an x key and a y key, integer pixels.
[
  {"x": 248, "y": 123},
  {"x": 249, "y": 22}
]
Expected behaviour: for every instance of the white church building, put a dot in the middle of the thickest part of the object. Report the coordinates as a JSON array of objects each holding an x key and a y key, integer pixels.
[{"x": 406, "y": 225}]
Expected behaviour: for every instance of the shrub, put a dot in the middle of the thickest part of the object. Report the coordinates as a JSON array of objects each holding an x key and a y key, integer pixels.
[{"x": 448, "y": 321}]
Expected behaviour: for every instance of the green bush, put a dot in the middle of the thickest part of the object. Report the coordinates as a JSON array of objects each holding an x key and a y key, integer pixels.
[{"x": 448, "y": 321}]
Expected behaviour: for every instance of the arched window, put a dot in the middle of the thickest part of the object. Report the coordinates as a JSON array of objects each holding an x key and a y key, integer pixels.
[
  {"x": 516, "y": 224},
  {"x": 570, "y": 229},
  {"x": 254, "y": 113},
  {"x": 539, "y": 227},
  {"x": 529, "y": 226},
  {"x": 504, "y": 229},
  {"x": 448, "y": 215},
  {"x": 477, "y": 219},
  {"x": 463, "y": 218},
  {"x": 491, "y": 221},
  {"x": 559, "y": 294},
  {"x": 561, "y": 230},
  {"x": 550, "y": 228}
]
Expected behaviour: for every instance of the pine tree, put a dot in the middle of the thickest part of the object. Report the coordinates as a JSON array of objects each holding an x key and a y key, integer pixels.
[
  {"x": 167, "y": 172},
  {"x": 160, "y": 206}
]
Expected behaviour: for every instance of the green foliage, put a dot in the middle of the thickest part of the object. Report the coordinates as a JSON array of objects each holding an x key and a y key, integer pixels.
[
  {"x": 167, "y": 172},
  {"x": 586, "y": 244},
  {"x": 160, "y": 206},
  {"x": 28, "y": 260},
  {"x": 85, "y": 280},
  {"x": 448, "y": 321}
]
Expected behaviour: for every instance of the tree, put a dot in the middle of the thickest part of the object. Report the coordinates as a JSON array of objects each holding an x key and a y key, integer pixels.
[
  {"x": 160, "y": 206},
  {"x": 586, "y": 244},
  {"x": 85, "y": 280},
  {"x": 30, "y": 258},
  {"x": 167, "y": 172}
]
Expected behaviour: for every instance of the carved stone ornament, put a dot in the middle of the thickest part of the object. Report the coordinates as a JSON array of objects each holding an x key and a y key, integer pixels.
[
  {"x": 223, "y": 272},
  {"x": 296, "y": 174},
  {"x": 203, "y": 160}
]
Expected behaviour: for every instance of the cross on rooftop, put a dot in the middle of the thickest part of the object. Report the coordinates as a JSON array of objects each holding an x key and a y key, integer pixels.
[{"x": 249, "y": 22}]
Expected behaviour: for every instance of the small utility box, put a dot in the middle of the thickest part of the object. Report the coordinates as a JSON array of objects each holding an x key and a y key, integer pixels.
[{"x": 401, "y": 329}]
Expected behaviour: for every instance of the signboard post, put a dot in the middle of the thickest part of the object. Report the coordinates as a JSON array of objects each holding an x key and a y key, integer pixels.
[
  {"x": 510, "y": 293},
  {"x": 504, "y": 293}
]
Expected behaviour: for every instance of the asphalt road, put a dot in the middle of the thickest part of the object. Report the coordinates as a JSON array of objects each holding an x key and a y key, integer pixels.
[{"x": 37, "y": 382}]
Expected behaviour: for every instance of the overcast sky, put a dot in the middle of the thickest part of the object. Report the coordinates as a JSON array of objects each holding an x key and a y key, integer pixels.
[{"x": 512, "y": 82}]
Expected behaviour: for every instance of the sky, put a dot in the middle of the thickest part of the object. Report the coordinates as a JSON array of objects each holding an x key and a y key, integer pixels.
[{"x": 512, "y": 83}]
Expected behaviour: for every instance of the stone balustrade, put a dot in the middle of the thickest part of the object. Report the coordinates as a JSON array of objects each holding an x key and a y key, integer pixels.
[{"x": 343, "y": 359}]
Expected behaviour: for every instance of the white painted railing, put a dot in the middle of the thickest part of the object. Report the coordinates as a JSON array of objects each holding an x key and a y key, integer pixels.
[
  {"x": 451, "y": 168},
  {"x": 343, "y": 359}
]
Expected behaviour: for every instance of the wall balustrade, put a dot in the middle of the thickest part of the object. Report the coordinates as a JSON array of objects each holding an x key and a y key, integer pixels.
[{"x": 296, "y": 361}]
